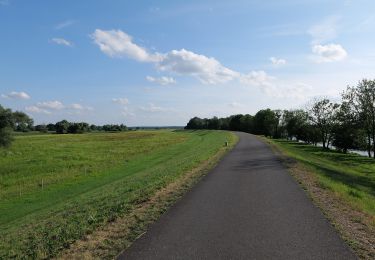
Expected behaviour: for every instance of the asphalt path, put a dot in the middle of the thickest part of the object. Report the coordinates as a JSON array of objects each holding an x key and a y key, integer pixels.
[{"x": 247, "y": 207}]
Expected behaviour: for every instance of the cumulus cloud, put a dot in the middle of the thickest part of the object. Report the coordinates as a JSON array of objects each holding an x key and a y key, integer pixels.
[
  {"x": 121, "y": 101},
  {"x": 152, "y": 108},
  {"x": 126, "y": 112},
  {"x": 47, "y": 107},
  {"x": 329, "y": 53},
  {"x": 162, "y": 80},
  {"x": 277, "y": 62},
  {"x": 116, "y": 43},
  {"x": 257, "y": 78},
  {"x": 54, "y": 105},
  {"x": 36, "y": 110},
  {"x": 207, "y": 69},
  {"x": 16, "y": 95},
  {"x": 76, "y": 106},
  {"x": 61, "y": 41}
]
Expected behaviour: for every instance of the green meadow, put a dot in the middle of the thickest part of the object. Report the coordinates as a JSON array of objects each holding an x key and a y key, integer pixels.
[
  {"x": 350, "y": 176},
  {"x": 55, "y": 189}
]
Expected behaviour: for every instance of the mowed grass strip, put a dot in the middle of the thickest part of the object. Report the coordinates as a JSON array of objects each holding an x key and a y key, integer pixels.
[
  {"x": 55, "y": 189},
  {"x": 341, "y": 185},
  {"x": 349, "y": 176}
]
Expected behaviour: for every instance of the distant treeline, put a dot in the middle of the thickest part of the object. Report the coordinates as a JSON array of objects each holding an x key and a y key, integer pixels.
[
  {"x": 349, "y": 124},
  {"x": 20, "y": 122},
  {"x": 65, "y": 127}
]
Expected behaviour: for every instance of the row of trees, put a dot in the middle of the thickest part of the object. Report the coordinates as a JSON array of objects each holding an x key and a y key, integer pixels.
[
  {"x": 12, "y": 121},
  {"x": 20, "y": 122},
  {"x": 349, "y": 124},
  {"x": 64, "y": 127}
]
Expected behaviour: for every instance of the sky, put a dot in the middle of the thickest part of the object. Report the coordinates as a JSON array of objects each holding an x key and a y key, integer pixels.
[{"x": 157, "y": 63}]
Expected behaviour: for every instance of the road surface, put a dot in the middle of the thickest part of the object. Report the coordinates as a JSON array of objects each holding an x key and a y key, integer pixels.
[{"x": 248, "y": 207}]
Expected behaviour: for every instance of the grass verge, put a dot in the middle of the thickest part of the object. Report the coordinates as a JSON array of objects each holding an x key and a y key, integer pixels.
[
  {"x": 59, "y": 189},
  {"x": 342, "y": 185},
  {"x": 114, "y": 237}
]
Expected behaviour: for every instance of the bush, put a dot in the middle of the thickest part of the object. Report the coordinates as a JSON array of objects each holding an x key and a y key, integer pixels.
[{"x": 6, "y": 136}]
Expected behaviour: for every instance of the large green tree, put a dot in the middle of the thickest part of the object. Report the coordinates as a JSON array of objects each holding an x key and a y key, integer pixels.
[
  {"x": 265, "y": 122},
  {"x": 62, "y": 127},
  {"x": 295, "y": 123},
  {"x": 6, "y": 126},
  {"x": 345, "y": 130},
  {"x": 362, "y": 100},
  {"x": 323, "y": 115},
  {"x": 22, "y": 122}
]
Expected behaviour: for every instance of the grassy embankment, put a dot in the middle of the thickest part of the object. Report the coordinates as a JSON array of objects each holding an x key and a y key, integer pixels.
[
  {"x": 343, "y": 185},
  {"x": 56, "y": 189}
]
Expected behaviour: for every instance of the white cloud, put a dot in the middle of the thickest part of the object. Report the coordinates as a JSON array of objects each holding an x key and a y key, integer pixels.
[
  {"x": 76, "y": 106},
  {"x": 325, "y": 30},
  {"x": 329, "y": 53},
  {"x": 277, "y": 62},
  {"x": 36, "y": 110},
  {"x": 16, "y": 95},
  {"x": 162, "y": 80},
  {"x": 47, "y": 107},
  {"x": 121, "y": 101},
  {"x": 256, "y": 78},
  {"x": 116, "y": 43},
  {"x": 152, "y": 108},
  {"x": 64, "y": 24},
  {"x": 61, "y": 41},
  {"x": 54, "y": 105},
  {"x": 207, "y": 70},
  {"x": 124, "y": 108},
  {"x": 127, "y": 113}
]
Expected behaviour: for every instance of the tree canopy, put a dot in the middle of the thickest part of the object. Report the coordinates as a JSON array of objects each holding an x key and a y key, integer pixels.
[{"x": 346, "y": 125}]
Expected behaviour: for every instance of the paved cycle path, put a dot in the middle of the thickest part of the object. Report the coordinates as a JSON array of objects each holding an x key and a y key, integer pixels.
[{"x": 248, "y": 207}]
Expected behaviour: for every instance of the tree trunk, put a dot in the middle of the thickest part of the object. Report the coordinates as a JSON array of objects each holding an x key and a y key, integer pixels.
[{"x": 369, "y": 145}]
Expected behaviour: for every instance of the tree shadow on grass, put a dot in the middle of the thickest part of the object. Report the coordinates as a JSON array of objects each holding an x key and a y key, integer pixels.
[
  {"x": 361, "y": 177},
  {"x": 354, "y": 181},
  {"x": 350, "y": 159}
]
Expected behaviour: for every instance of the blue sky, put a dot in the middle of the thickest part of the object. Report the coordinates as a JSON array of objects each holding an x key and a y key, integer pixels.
[{"x": 163, "y": 62}]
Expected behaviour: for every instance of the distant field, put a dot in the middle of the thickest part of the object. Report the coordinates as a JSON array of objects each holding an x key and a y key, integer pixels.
[
  {"x": 350, "y": 176},
  {"x": 54, "y": 189}
]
